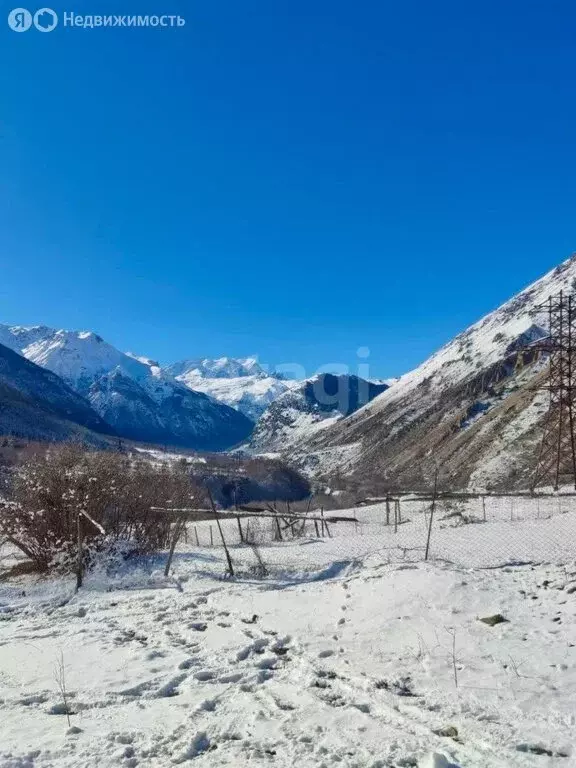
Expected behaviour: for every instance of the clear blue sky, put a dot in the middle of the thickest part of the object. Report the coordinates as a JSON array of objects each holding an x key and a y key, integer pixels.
[{"x": 292, "y": 179}]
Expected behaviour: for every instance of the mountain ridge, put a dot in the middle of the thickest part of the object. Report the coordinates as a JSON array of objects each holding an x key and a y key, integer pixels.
[
  {"x": 139, "y": 398},
  {"x": 468, "y": 407},
  {"x": 37, "y": 404},
  {"x": 310, "y": 406}
]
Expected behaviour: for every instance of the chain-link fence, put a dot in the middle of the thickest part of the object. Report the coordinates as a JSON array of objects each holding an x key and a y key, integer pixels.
[
  {"x": 475, "y": 532},
  {"x": 468, "y": 531}
]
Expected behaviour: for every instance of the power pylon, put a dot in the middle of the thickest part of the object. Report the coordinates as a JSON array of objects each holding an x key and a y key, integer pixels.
[{"x": 557, "y": 457}]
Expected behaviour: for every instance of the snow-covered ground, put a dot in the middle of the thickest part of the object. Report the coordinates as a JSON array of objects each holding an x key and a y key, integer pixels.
[{"x": 363, "y": 662}]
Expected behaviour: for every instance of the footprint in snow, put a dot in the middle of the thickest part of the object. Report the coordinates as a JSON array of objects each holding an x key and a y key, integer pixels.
[
  {"x": 268, "y": 662},
  {"x": 171, "y": 687},
  {"x": 198, "y": 626},
  {"x": 187, "y": 664},
  {"x": 208, "y": 705},
  {"x": 256, "y": 647},
  {"x": 204, "y": 675},
  {"x": 232, "y": 677}
]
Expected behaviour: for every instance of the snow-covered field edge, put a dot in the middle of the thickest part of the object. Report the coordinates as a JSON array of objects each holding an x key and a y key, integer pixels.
[{"x": 341, "y": 656}]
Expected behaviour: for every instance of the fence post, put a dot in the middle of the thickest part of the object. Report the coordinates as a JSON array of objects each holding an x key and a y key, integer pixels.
[
  {"x": 211, "y": 536},
  {"x": 228, "y": 558},
  {"x": 240, "y": 529},
  {"x": 395, "y": 516},
  {"x": 79, "y": 565},
  {"x": 432, "y": 508},
  {"x": 324, "y": 524},
  {"x": 238, "y": 517},
  {"x": 177, "y": 532},
  {"x": 387, "y": 511},
  {"x": 196, "y": 536},
  {"x": 484, "y": 507}
]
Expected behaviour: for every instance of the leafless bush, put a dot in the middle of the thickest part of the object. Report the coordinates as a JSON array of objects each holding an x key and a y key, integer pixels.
[{"x": 52, "y": 487}]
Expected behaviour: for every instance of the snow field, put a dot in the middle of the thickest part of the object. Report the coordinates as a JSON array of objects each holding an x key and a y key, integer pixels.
[
  {"x": 360, "y": 663},
  {"x": 515, "y": 530}
]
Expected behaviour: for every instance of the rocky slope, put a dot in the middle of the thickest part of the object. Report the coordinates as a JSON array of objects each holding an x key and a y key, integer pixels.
[
  {"x": 313, "y": 405},
  {"x": 134, "y": 395},
  {"x": 473, "y": 408},
  {"x": 241, "y": 384},
  {"x": 36, "y": 404}
]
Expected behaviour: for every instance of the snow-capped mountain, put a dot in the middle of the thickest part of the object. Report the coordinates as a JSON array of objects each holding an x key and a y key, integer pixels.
[
  {"x": 133, "y": 394},
  {"x": 240, "y": 383},
  {"x": 220, "y": 368},
  {"x": 78, "y": 357},
  {"x": 473, "y": 408},
  {"x": 37, "y": 404},
  {"x": 313, "y": 405}
]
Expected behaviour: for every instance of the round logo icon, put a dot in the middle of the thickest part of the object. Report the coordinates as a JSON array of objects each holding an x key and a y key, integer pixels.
[
  {"x": 20, "y": 20},
  {"x": 45, "y": 20}
]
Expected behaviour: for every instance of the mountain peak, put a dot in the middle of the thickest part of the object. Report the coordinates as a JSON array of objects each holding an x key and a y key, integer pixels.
[
  {"x": 217, "y": 368},
  {"x": 134, "y": 394},
  {"x": 472, "y": 408}
]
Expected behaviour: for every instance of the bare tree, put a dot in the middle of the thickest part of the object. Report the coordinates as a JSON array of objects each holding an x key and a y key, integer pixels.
[{"x": 52, "y": 488}]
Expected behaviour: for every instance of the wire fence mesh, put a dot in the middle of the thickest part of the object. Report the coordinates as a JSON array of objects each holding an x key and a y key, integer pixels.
[{"x": 480, "y": 532}]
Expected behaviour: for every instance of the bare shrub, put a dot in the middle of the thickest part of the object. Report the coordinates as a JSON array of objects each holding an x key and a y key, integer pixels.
[{"x": 52, "y": 487}]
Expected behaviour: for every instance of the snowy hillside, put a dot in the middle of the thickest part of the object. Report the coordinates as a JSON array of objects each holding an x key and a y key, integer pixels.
[
  {"x": 469, "y": 402},
  {"x": 311, "y": 406},
  {"x": 240, "y": 383},
  {"x": 133, "y": 394},
  {"x": 36, "y": 404}
]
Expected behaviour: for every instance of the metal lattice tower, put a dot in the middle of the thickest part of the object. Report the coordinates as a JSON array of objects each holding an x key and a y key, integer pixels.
[{"x": 557, "y": 458}]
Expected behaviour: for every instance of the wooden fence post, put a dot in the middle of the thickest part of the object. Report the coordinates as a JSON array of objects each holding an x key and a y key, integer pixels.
[
  {"x": 228, "y": 558},
  {"x": 177, "y": 533},
  {"x": 80, "y": 541},
  {"x": 432, "y": 508},
  {"x": 240, "y": 529}
]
